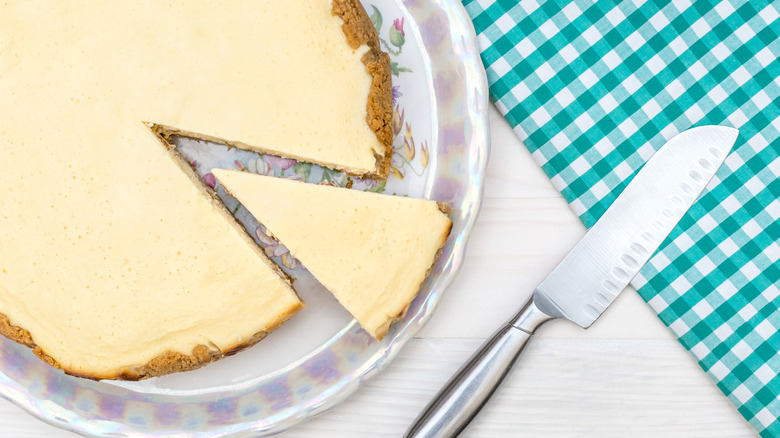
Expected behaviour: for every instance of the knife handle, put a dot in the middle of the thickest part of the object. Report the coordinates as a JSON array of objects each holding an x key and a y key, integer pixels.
[{"x": 469, "y": 389}]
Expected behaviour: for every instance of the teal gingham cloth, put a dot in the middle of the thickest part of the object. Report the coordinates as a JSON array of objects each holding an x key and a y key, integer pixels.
[{"x": 593, "y": 89}]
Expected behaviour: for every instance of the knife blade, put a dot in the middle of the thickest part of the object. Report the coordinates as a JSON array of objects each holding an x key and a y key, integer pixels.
[{"x": 592, "y": 275}]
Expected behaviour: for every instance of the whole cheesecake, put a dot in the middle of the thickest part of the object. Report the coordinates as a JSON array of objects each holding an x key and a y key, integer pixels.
[{"x": 115, "y": 261}]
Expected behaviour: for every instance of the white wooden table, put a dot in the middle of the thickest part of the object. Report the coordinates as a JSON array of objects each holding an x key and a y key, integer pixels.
[{"x": 625, "y": 377}]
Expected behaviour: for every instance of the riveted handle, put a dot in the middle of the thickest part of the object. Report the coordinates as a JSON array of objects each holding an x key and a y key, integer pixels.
[{"x": 471, "y": 387}]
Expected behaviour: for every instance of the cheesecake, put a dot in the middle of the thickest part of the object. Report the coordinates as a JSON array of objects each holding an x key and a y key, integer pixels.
[
  {"x": 298, "y": 79},
  {"x": 371, "y": 251},
  {"x": 116, "y": 262}
]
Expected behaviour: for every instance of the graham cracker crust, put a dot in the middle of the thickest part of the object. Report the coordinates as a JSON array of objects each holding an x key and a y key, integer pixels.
[{"x": 360, "y": 31}]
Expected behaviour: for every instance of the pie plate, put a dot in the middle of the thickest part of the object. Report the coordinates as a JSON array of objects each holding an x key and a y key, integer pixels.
[{"x": 321, "y": 355}]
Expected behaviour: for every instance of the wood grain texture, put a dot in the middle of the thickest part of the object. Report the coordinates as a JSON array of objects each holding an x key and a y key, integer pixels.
[
  {"x": 562, "y": 388},
  {"x": 625, "y": 377}
]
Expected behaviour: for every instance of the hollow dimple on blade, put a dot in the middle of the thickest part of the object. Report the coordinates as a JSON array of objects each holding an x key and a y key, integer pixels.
[{"x": 612, "y": 252}]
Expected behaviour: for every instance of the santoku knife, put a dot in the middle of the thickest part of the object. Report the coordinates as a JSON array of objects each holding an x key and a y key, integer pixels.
[{"x": 592, "y": 275}]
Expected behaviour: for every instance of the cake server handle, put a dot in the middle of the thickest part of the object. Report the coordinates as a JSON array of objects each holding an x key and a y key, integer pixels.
[{"x": 469, "y": 389}]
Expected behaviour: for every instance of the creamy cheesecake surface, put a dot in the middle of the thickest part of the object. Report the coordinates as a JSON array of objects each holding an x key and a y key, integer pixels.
[
  {"x": 371, "y": 251},
  {"x": 114, "y": 260}
]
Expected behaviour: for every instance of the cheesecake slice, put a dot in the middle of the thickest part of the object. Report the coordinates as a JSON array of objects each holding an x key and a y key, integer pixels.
[
  {"x": 371, "y": 251},
  {"x": 115, "y": 261}
]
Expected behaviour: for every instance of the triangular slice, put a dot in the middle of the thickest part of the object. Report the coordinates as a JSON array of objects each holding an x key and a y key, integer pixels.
[{"x": 371, "y": 251}]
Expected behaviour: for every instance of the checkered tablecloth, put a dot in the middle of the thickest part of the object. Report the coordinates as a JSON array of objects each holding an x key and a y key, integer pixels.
[{"x": 593, "y": 89}]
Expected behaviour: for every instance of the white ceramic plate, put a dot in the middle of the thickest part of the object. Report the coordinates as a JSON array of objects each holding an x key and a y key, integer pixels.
[{"x": 321, "y": 355}]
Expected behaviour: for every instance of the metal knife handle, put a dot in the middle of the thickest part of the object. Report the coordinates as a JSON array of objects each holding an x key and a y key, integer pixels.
[{"x": 469, "y": 389}]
